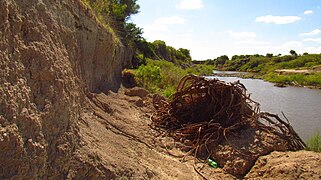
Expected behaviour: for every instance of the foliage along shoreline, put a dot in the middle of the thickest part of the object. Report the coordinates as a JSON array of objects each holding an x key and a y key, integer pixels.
[
  {"x": 296, "y": 70},
  {"x": 275, "y": 78}
]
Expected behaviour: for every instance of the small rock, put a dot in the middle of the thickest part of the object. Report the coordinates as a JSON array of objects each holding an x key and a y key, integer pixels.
[
  {"x": 137, "y": 91},
  {"x": 139, "y": 103}
]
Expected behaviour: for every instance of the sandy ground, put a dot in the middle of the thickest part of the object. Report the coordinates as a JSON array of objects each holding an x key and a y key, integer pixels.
[
  {"x": 298, "y": 71},
  {"x": 116, "y": 132}
]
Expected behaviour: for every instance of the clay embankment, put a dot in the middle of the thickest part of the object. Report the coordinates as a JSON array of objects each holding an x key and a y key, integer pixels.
[{"x": 52, "y": 53}]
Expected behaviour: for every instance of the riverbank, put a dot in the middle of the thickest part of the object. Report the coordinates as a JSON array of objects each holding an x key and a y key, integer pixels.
[
  {"x": 116, "y": 129},
  {"x": 295, "y": 78},
  {"x": 296, "y": 70},
  {"x": 281, "y": 78}
]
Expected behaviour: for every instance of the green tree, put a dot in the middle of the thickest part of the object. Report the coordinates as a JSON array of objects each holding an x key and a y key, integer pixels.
[
  {"x": 183, "y": 55},
  {"x": 131, "y": 7},
  {"x": 269, "y": 55},
  {"x": 133, "y": 33},
  {"x": 116, "y": 13},
  {"x": 121, "y": 10},
  {"x": 234, "y": 57},
  {"x": 220, "y": 61},
  {"x": 148, "y": 76},
  {"x": 161, "y": 50},
  {"x": 293, "y": 53},
  {"x": 145, "y": 48},
  {"x": 186, "y": 53}
]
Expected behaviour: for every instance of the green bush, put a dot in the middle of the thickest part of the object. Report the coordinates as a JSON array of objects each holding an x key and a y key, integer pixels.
[
  {"x": 159, "y": 76},
  {"x": 302, "y": 79},
  {"x": 138, "y": 60},
  {"x": 148, "y": 76},
  {"x": 311, "y": 64},
  {"x": 171, "y": 74},
  {"x": 313, "y": 79},
  {"x": 169, "y": 91},
  {"x": 314, "y": 142},
  {"x": 200, "y": 69}
]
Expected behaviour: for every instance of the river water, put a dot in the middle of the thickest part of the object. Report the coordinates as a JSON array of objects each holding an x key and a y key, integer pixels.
[{"x": 302, "y": 106}]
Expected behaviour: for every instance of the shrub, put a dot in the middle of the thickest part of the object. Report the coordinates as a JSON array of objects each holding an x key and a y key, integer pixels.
[
  {"x": 302, "y": 79},
  {"x": 169, "y": 91},
  {"x": 138, "y": 60},
  {"x": 159, "y": 76},
  {"x": 148, "y": 76},
  {"x": 314, "y": 142},
  {"x": 128, "y": 78},
  {"x": 200, "y": 69}
]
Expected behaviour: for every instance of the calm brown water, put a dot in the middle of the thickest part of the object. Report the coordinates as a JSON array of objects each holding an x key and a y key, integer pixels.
[{"x": 302, "y": 106}]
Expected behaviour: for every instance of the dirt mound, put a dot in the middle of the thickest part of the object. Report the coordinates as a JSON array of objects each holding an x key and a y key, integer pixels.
[
  {"x": 215, "y": 119},
  {"x": 287, "y": 165},
  {"x": 137, "y": 91}
]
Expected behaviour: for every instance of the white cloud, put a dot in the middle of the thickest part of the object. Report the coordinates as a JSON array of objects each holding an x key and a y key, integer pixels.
[
  {"x": 315, "y": 50},
  {"x": 263, "y": 47},
  {"x": 190, "y": 4},
  {"x": 252, "y": 43},
  {"x": 162, "y": 24},
  {"x": 278, "y": 19},
  {"x": 318, "y": 40},
  {"x": 160, "y": 28},
  {"x": 292, "y": 45},
  {"x": 314, "y": 32},
  {"x": 154, "y": 28},
  {"x": 170, "y": 20},
  {"x": 308, "y": 12},
  {"x": 241, "y": 34},
  {"x": 186, "y": 35}
]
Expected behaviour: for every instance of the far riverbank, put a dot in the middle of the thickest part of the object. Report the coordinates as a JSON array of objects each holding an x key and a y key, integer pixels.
[{"x": 289, "y": 77}]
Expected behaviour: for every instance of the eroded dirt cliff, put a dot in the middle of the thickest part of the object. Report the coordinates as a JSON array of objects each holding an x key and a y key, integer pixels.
[{"x": 51, "y": 54}]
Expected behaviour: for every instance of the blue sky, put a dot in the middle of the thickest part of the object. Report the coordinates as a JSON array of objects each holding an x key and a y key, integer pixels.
[{"x": 211, "y": 28}]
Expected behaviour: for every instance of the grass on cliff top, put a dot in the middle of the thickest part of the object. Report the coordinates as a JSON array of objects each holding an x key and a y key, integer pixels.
[{"x": 100, "y": 18}]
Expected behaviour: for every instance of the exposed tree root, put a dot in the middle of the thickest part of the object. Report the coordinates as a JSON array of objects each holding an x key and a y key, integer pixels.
[{"x": 204, "y": 112}]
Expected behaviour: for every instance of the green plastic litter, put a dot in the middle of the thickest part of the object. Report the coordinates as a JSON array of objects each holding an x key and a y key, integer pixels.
[{"x": 212, "y": 163}]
